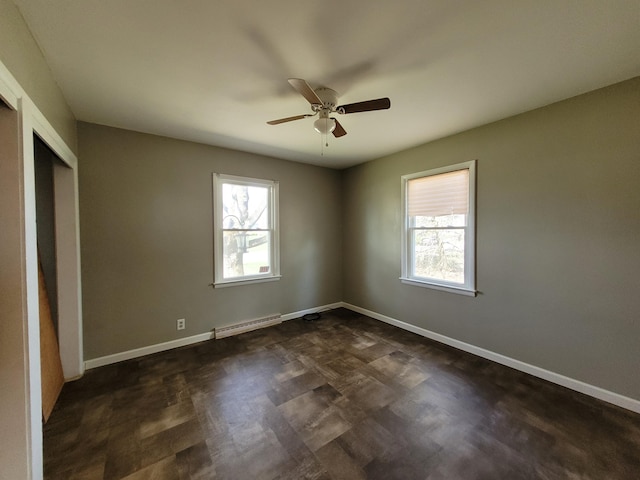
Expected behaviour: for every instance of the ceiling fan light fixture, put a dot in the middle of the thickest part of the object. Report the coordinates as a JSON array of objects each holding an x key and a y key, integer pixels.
[
  {"x": 324, "y": 102},
  {"x": 324, "y": 125}
]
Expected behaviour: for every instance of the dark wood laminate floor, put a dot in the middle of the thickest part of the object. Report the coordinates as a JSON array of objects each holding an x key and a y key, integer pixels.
[{"x": 345, "y": 397}]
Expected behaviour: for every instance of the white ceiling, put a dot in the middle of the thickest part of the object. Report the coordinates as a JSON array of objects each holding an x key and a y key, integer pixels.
[{"x": 214, "y": 71}]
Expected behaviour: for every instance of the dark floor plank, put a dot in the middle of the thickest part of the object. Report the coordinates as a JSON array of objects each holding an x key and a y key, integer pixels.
[{"x": 345, "y": 397}]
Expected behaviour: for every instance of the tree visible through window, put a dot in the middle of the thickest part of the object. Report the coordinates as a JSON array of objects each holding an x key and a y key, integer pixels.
[
  {"x": 246, "y": 229},
  {"x": 438, "y": 238}
]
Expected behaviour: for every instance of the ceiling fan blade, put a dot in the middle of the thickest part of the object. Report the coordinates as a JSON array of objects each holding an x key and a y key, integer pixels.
[
  {"x": 305, "y": 90},
  {"x": 366, "y": 106},
  {"x": 338, "y": 131},
  {"x": 288, "y": 119}
]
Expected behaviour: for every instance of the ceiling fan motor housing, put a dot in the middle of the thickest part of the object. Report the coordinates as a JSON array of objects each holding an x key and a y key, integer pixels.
[
  {"x": 324, "y": 102},
  {"x": 328, "y": 96}
]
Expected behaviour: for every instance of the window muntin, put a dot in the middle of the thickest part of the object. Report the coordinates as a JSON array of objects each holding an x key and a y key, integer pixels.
[
  {"x": 246, "y": 230},
  {"x": 439, "y": 234}
]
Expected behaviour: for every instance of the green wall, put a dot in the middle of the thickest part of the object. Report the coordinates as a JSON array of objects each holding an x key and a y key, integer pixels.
[
  {"x": 147, "y": 241},
  {"x": 22, "y": 56},
  {"x": 558, "y": 238}
]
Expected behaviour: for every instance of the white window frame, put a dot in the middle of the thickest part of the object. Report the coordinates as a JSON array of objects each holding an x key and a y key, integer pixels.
[
  {"x": 408, "y": 252},
  {"x": 274, "y": 254}
]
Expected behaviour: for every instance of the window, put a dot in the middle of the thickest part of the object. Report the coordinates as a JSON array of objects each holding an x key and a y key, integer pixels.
[
  {"x": 438, "y": 244},
  {"x": 245, "y": 230}
]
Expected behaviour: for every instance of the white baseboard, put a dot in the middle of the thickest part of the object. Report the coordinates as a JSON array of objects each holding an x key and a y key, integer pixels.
[
  {"x": 573, "y": 384},
  {"x": 181, "y": 342},
  {"x": 148, "y": 350},
  {"x": 331, "y": 306}
]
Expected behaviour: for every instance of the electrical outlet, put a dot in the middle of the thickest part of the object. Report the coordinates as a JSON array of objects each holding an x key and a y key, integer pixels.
[{"x": 180, "y": 324}]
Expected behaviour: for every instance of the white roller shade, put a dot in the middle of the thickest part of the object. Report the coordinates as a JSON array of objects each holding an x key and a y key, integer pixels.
[{"x": 443, "y": 194}]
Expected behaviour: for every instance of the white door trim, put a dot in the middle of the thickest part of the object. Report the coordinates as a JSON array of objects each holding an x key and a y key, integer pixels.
[{"x": 67, "y": 229}]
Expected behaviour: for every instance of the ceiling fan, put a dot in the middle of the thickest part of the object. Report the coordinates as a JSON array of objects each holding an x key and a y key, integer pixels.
[{"x": 324, "y": 102}]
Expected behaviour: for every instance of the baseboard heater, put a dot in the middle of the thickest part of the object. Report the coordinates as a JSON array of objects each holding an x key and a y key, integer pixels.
[{"x": 248, "y": 326}]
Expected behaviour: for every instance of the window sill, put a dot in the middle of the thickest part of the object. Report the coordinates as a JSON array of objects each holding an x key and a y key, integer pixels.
[
  {"x": 249, "y": 281},
  {"x": 436, "y": 286}
]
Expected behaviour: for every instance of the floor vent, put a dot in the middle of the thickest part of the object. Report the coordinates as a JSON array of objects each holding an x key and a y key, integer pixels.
[{"x": 248, "y": 326}]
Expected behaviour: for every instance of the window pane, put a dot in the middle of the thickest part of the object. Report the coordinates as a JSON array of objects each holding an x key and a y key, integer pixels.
[
  {"x": 246, "y": 253},
  {"x": 439, "y": 254},
  {"x": 439, "y": 235},
  {"x": 441, "y": 221},
  {"x": 245, "y": 207}
]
